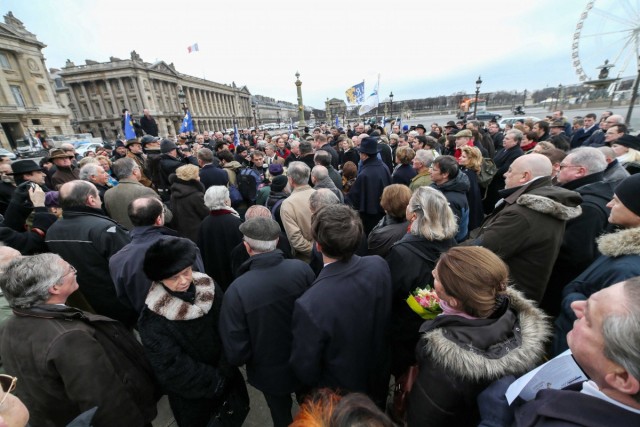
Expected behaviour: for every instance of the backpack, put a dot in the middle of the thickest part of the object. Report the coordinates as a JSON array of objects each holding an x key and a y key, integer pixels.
[
  {"x": 235, "y": 196},
  {"x": 247, "y": 185},
  {"x": 487, "y": 172}
]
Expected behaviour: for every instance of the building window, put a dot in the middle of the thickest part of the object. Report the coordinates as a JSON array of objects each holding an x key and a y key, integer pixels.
[
  {"x": 4, "y": 61},
  {"x": 17, "y": 95},
  {"x": 96, "y": 108},
  {"x": 59, "y": 83},
  {"x": 109, "y": 107},
  {"x": 131, "y": 84},
  {"x": 36, "y": 122}
]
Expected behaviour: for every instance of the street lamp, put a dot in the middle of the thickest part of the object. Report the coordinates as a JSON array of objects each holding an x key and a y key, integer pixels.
[
  {"x": 475, "y": 105},
  {"x": 278, "y": 114},
  {"x": 183, "y": 100},
  {"x": 558, "y": 97},
  {"x": 391, "y": 107}
]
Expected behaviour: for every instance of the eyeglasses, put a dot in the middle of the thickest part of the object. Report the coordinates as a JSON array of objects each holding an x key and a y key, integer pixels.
[
  {"x": 8, "y": 384},
  {"x": 569, "y": 166},
  {"x": 72, "y": 269}
]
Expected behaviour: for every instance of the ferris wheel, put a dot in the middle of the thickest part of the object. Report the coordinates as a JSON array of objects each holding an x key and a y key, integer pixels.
[{"x": 608, "y": 30}]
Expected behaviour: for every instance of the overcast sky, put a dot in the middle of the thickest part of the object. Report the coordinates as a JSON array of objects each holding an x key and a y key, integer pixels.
[{"x": 419, "y": 48}]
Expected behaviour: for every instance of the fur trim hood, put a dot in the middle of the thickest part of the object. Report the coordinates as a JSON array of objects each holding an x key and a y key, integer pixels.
[
  {"x": 170, "y": 307},
  {"x": 623, "y": 242},
  {"x": 548, "y": 206},
  {"x": 520, "y": 353}
]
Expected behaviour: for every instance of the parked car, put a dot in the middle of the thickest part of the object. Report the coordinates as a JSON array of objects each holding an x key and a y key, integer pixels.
[
  {"x": 8, "y": 153},
  {"x": 485, "y": 115},
  {"x": 512, "y": 120},
  {"x": 83, "y": 148}
]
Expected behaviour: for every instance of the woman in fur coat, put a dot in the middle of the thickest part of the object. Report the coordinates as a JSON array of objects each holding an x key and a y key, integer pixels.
[
  {"x": 486, "y": 331},
  {"x": 179, "y": 331}
]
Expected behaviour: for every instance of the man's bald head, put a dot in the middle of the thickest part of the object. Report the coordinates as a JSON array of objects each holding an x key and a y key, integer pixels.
[{"x": 537, "y": 164}]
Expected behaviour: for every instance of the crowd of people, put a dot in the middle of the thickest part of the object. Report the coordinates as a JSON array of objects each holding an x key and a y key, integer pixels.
[{"x": 164, "y": 265}]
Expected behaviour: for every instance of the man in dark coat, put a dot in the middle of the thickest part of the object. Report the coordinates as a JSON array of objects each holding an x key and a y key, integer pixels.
[
  {"x": 210, "y": 174},
  {"x": 341, "y": 324},
  {"x": 584, "y": 133},
  {"x": 148, "y": 123},
  {"x": 27, "y": 175},
  {"x": 511, "y": 150},
  {"x": 7, "y": 186},
  {"x": 86, "y": 238},
  {"x": 450, "y": 181},
  {"x": 364, "y": 195},
  {"x": 72, "y": 361},
  {"x": 255, "y": 320},
  {"x": 581, "y": 171},
  {"x": 320, "y": 143},
  {"x": 125, "y": 266},
  {"x": 65, "y": 170},
  {"x": 170, "y": 160},
  {"x": 526, "y": 227}
]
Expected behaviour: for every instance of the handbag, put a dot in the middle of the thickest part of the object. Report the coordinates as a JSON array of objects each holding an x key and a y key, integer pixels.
[
  {"x": 401, "y": 391},
  {"x": 235, "y": 404}
]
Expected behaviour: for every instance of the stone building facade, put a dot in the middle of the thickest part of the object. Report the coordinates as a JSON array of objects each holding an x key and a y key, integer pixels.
[
  {"x": 28, "y": 103},
  {"x": 98, "y": 92}
]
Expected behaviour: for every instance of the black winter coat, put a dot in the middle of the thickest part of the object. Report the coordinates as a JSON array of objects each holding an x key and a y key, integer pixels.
[
  {"x": 474, "y": 197},
  {"x": 213, "y": 175},
  {"x": 364, "y": 196},
  {"x": 411, "y": 261},
  {"x": 187, "y": 206},
  {"x": 255, "y": 321},
  {"x": 181, "y": 341},
  {"x": 86, "y": 239},
  {"x": 503, "y": 161},
  {"x": 455, "y": 190},
  {"x": 219, "y": 233}
]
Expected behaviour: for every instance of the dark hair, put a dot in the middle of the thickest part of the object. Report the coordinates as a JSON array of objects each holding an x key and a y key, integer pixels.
[
  {"x": 338, "y": 230},
  {"x": 225, "y": 155},
  {"x": 144, "y": 211},
  {"x": 622, "y": 128},
  {"x": 349, "y": 170},
  {"x": 421, "y": 139},
  {"x": 448, "y": 165},
  {"x": 560, "y": 142},
  {"x": 532, "y": 136},
  {"x": 542, "y": 124},
  {"x": 555, "y": 155},
  {"x": 305, "y": 147},
  {"x": 591, "y": 116}
]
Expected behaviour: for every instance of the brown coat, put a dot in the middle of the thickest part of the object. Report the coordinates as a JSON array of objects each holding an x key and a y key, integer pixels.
[{"x": 140, "y": 162}]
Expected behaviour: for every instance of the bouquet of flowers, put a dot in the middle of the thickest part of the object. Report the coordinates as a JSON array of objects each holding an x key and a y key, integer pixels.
[{"x": 425, "y": 303}]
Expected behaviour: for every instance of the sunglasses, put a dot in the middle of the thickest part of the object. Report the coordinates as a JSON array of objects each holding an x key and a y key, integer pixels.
[{"x": 8, "y": 384}]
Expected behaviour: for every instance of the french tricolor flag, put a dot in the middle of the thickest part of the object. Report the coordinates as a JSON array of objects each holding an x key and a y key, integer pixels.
[{"x": 193, "y": 48}]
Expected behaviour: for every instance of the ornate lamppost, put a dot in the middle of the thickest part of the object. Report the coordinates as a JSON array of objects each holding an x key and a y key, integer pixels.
[
  {"x": 301, "y": 123},
  {"x": 391, "y": 108},
  {"x": 255, "y": 118},
  {"x": 475, "y": 105}
]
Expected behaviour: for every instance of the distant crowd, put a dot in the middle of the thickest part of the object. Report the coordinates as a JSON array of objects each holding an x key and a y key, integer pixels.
[{"x": 161, "y": 266}]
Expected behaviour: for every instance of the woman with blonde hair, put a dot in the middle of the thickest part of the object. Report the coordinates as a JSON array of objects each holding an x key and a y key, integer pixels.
[
  {"x": 486, "y": 331},
  {"x": 627, "y": 149},
  {"x": 432, "y": 227},
  {"x": 187, "y": 201},
  {"x": 470, "y": 162}
]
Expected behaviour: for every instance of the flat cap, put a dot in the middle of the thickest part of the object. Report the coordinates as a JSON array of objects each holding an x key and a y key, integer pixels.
[{"x": 260, "y": 228}]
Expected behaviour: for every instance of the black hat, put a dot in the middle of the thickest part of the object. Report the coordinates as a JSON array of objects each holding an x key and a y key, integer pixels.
[
  {"x": 450, "y": 124},
  {"x": 167, "y": 257},
  {"x": 628, "y": 141},
  {"x": 278, "y": 183},
  {"x": 627, "y": 192},
  {"x": 260, "y": 228},
  {"x": 369, "y": 145},
  {"x": 24, "y": 166},
  {"x": 119, "y": 144},
  {"x": 147, "y": 139},
  {"x": 421, "y": 127},
  {"x": 167, "y": 145}
]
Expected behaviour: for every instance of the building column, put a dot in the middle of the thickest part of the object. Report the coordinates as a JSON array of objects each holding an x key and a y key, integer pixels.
[
  {"x": 123, "y": 88},
  {"x": 87, "y": 100},
  {"x": 114, "y": 101},
  {"x": 74, "y": 101}
]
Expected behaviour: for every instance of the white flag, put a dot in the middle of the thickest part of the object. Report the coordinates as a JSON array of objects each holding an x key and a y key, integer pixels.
[{"x": 371, "y": 102}]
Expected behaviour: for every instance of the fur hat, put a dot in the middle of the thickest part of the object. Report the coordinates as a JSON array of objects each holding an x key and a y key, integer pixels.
[
  {"x": 260, "y": 228},
  {"x": 278, "y": 183},
  {"x": 627, "y": 192},
  {"x": 167, "y": 145},
  {"x": 369, "y": 146},
  {"x": 628, "y": 141},
  {"x": 167, "y": 257}
]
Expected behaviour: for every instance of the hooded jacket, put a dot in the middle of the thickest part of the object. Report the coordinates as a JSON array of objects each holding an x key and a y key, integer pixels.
[
  {"x": 578, "y": 249},
  {"x": 455, "y": 190},
  {"x": 525, "y": 230},
  {"x": 460, "y": 357},
  {"x": 187, "y": 202},
  {"x": 620, "y": 260}
]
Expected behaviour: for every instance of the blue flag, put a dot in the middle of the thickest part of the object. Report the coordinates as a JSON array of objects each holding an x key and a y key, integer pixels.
[
  {"x": 187, "y": 123},
  {"x": 337, "y": 121},
  {"x": 290, "y": 125},
  {"x": 236, "y": 135},
  {"x": 355, "y": 94},
  {"x": 129, "y": 133}
]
